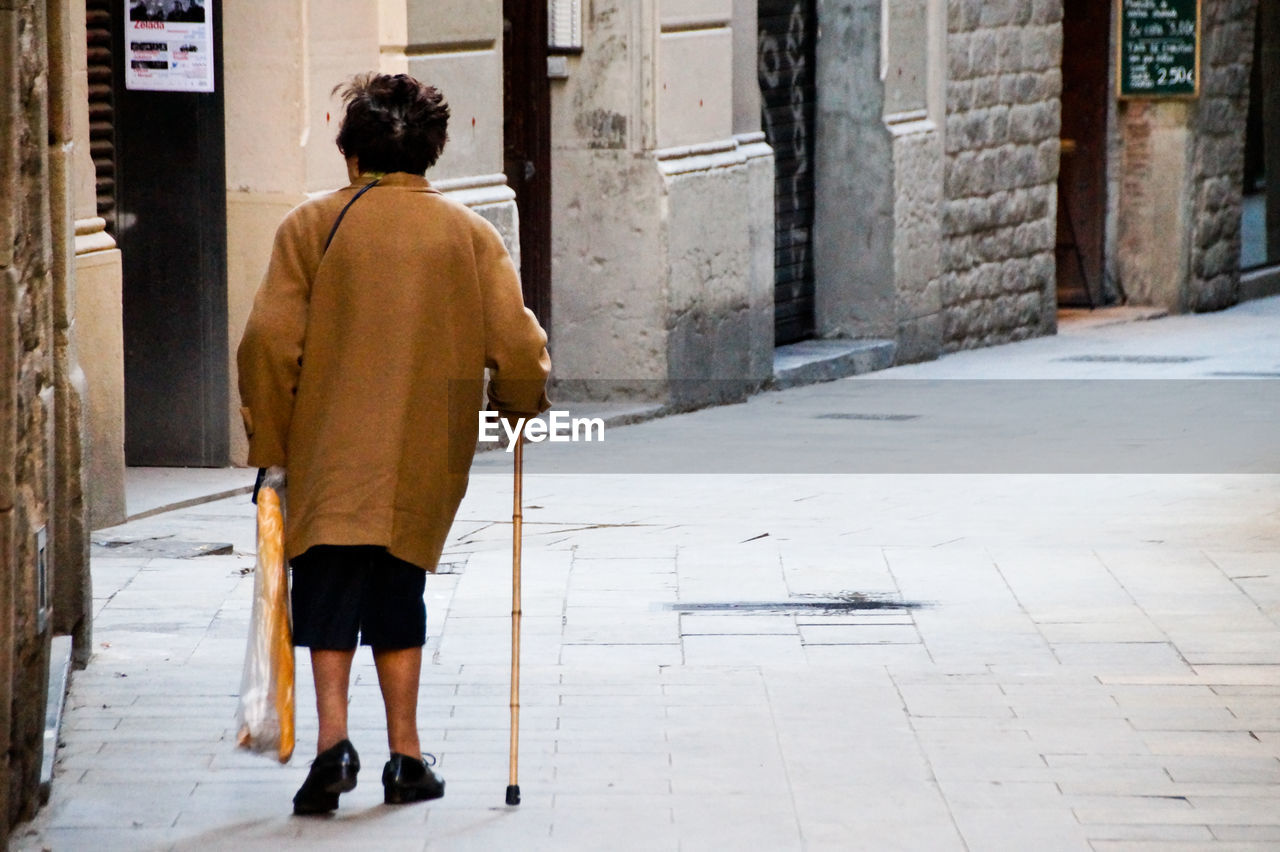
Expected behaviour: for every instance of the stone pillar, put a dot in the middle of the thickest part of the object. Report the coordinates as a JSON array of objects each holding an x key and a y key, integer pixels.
[
  {"x": 99, "y": 338},
  {"x": 1217, "y": 175},
  {"x": 1153, "y": 253},
  {"x": 657, "y": 274},
  {"x": 1001, "y": 170},
  {"x": 916, "y": 117},
  {"x": 97, "y": 304},
  {"x": 877, "y": 225},
  {"x": 759, "y": 156},
  {"x": 72, "y": 587},
  {"x": 854, "y": 195},
  {"x": 1182, "y": 175}
]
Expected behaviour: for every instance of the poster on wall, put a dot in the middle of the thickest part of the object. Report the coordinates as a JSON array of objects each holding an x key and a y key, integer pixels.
[{"x": 169, "y": 45}]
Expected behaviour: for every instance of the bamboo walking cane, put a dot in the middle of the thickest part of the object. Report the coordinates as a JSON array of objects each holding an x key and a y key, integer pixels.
[{"x": 517, "y": 517}]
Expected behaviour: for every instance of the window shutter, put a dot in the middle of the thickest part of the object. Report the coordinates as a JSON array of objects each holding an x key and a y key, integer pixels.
[{"x": 102, "y": 146}]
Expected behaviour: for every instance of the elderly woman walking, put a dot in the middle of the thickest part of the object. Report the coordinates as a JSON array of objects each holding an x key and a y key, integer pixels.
[{"x": 361, "y": 374}]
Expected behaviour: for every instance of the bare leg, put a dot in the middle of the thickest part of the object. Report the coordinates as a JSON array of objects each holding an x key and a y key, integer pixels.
[
  {"x": 332, "y": 672},
  {"x": 398, "y": 673}
]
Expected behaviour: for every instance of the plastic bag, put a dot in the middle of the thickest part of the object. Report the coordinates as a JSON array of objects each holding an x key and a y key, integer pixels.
[{"x": 265, "y": 716}]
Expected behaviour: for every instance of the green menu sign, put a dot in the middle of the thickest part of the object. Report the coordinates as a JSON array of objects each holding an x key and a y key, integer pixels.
[{"x": 1159, "y": 44}]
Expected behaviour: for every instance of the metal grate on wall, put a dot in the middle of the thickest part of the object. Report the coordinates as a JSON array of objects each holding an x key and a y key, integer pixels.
[
  {"x": 787, "y": 50},
  {"x": 101, "y": 107}
]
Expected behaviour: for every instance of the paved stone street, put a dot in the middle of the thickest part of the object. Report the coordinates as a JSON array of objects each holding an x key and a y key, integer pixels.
[{"x": 1069, "y": 661}]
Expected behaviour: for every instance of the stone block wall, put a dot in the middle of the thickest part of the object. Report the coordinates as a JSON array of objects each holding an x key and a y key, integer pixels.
[
  {"x": 719, "y": 322},
  {"x": 855, "y": 192},
  {"x": 918, "y": 245},
  {"x": 1181, "y": 176},
  {"x": 1001, "y": 167},
  {"x": 27, "y": 392},
  {"x": 1217, "y": 160},
  {"x": 879, "y": 174}
]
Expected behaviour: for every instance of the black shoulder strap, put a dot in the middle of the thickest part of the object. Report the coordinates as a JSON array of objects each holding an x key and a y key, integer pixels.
[{"x": 338, "y": 221}]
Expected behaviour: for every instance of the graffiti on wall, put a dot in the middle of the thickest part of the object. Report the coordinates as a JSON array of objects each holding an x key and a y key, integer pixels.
[{"x": 787, "y": 30}]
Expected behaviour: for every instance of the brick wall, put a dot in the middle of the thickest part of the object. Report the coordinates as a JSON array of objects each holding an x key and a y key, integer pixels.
[
  {"x": 26, "y": 397},
  {"x": 999, "y": 208}
]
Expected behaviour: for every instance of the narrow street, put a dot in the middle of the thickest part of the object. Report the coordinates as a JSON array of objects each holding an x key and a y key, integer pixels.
[{"x": 822, "y": 652}]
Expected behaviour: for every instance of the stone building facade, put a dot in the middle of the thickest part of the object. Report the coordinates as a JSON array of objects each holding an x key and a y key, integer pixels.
[
  {"x": 958, "y": 103},
  {"x": 948, "y": 190},
  {"x": 43, "y": 545},
  {"x": 662, "y": 205},
  {"x": 936, "y": 174},
  {"x": 1004, "y": 81},
  {"x": 660, "y": 214},
  {"x": 920, "y": 180},
  {"x": 1180, "y": 176}
]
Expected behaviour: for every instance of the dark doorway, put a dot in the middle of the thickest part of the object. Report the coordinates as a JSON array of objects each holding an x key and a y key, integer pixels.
[
  {"x": 170, "y": 224},
  {"x": 1260, "y": 222},
  {"x": 1082, "y": 177},
  {"x": 527, "y": 144},
  {"x": 788, "y": 41}
]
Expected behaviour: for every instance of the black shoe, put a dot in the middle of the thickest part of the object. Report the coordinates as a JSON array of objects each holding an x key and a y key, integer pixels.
[
  {"x": 333, "y": 772},
  {"x": 407, "y": 779}
]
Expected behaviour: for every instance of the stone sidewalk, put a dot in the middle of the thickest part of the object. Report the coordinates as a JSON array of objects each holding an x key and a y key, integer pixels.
[{"x": 1066, "y": 661}]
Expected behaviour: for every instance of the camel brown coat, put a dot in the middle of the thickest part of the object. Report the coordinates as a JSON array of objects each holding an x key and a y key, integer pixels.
[{"x": 361, "y": 367}]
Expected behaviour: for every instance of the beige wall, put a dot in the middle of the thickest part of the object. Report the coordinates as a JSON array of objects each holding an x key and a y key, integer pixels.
[
  {"x": 606, "y": 240},
  {"x": 606, "y": 235},
  {"x": 656, "y": 77},
  {"x": 661, "y": 203},
  {"x": 281, "y": 61},
  {"x": 456, "y": 45},
  {"x": 746, "y": 83},
  {"x": 99, "y": 334},
  {"x": 695, "y": 72}
]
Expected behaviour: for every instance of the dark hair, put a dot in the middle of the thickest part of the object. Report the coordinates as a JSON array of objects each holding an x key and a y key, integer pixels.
[{"x": 392, "y": 123}]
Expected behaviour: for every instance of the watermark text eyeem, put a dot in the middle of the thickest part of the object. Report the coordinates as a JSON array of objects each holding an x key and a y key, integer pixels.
[{"x": 558, "y": 427}]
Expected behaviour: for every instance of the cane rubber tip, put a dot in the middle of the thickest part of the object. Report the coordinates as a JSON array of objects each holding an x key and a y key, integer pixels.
[{"x": 513, "y": 794}]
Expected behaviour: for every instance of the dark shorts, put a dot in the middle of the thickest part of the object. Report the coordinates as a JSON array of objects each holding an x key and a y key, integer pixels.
[{"x": 341, "y": 592}]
